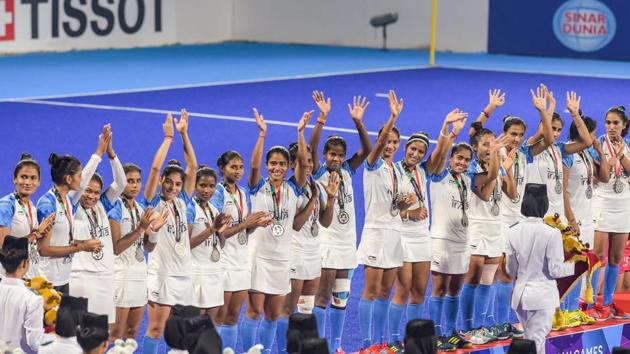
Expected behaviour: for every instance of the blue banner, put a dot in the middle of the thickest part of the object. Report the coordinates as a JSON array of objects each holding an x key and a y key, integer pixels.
[{"x": 596, "y": 29}]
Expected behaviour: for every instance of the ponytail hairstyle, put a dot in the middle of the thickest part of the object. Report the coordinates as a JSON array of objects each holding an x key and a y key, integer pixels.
[
  {"x": 26, "y": 160},
  {"x": 205, "y": 171},
  {"x": 480, "y": 131},
  {"x": 14, "y": 251},
  {"x": 590, "y": 123},
  {"x": 92, "y": 331},
  {"x": 509, "y": 121},
  {"x": 621, "y": 112},
  {"x": 62, "y": 166},
  {"x": 335, "y": 140},
  {"x": 131, "y": 167},
  {"x": 226, "y": 157},
  {"x": 293, "y": 152},
  {"x": 174, "y": 166},
  {"x": 278, "y": 150}
]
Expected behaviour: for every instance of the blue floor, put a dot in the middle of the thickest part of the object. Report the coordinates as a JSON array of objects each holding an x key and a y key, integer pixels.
[{"x": 221, "y": 114}]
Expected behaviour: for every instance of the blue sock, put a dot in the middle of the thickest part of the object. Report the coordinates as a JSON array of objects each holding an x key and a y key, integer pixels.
[
  {"x": 467, "y": 299},
  {"x": 337, "y": 319},
  {"x": 150, "y": 345},
  {"x": 488, "y": 318},
  {"x": 436, "y": 304},
  {"x": 394, "y": 316},
  {"x": 482, "y": 297},
  {"x": 504, "y": 293},
  {"x": 228, "y": 336},
  {"x": 268, "y": 333},
  {"x": 249, "y": 327},
  {"x": 378, "y": 319},
  {"x": 365, "y": 321},
  {"x": 320, "y": 317},
  {"x": 573, "y": 298},
  {"x": 610, "y": 283},
  {"x": 415, "y": 311},
  {"x": 451, "y": 305},
  {"x": 595, "y": 284},
  {"x": 281, "y": 334}
]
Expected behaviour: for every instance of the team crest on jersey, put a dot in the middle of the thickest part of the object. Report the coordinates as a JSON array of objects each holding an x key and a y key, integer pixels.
[
  {"x": 457, "y": 204},
  {"x": 551, "y": 174}
]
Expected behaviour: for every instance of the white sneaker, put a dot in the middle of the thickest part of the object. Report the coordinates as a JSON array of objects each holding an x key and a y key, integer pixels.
[{"x": 480, "y": 336}]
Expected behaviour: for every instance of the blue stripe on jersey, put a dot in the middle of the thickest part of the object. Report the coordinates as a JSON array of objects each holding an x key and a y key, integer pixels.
[
  {"x": 346, "y": 166},
  {"x": 375, "y": 166},
  {"x": 46, "y": 205},
  {"x": 527, "y": 151},
  {"x": 107, "y": 204},
  {"x": 191, "y": 212},
  {"x": 253, "y": 190},
  {"x": 439, "y": 177},
  {"x": 115, "y": 213},
  {"x": 562, "y": 148},
  {"x": 7, "y": 210},
  {"x": 218, "y": 198},
  {"x": 568, "y": 161}
]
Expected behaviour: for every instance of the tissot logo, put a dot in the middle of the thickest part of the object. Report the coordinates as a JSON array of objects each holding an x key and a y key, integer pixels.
[
  {"x": 7, "y": 20},
  {"x": 73, "y": 18}
]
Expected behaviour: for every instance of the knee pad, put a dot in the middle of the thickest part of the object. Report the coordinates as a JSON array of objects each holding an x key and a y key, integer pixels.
[
  {"x": 340, "y": 293},
  {"x": 487, "y": 274},
  {"x": 306, "y": 303}
]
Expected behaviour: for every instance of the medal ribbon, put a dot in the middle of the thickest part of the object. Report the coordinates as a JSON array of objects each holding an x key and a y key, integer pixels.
[
  {"x": 175, "y": 214},
  {"x": 552, "y": 154},
  {"x": 93, "y": 222},
  {"x": 394, "y": 184},
  {"x": 461, "y": 187},
  {"x": 27, "y": 211},
  {"x": 613, "y": 153},
  {"x": 239, "y": 206},
  {"x": 277, "y": 199},
  {"x": 208, "y": 217},
  {"x": 68, "y": 213},
  {"x": 589, "y": 167}
]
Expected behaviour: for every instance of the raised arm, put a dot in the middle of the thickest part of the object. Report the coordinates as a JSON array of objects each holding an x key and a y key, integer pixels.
[
  {"x": 486, "y": 182},
  {"x": 437, "y": 159},
  {"x": 395, "y": 107},
  {"x": 620, "y": 150},
  {"x": 324, "y": 109},
  {"x": 120, "y": 180},
  {"x": 496, "y": 98},
  {"x": 90, "y": 168},
  {"x": 254, "y": 169},
  {"x": 302, "y": 215},
  {"x": 573, "y": 105},
  {"x": 509, "y": 183},
  {"x": 326, "y": 212},
  {"x": 545, "y": 104},
  {"x": 150, "y": 188},
  {"x": 189, "y": 153},
  {"x": 300, "y": 171},
  {"x": 359, "y": 105}
]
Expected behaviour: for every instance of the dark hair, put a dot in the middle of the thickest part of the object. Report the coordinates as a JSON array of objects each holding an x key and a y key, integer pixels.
[
  {"x": 62, "y": 166},
  {"x": 277, "y": 150},
  {"x": 557, "y": 117},
  {"x": 69, "y": 315},
  {"x": 420, "y": 337},
  {"x": 394, "y": 129},
  {"x": 293, "y": 151},
  {"x": 509, "y": 121},
  {"x": 205, "y": 171},
  {"x": 91, "y": 334},
  {"x": 26, "y": 160},
  {"x": 461, "y": 146},
  {"x": 480, "y": 131},
  {"x": 226, "y": 157},
  {"x": 175, "y": 331},
  {"x": 591, "y": 125},
  {"x": 174, "y": 166},
  {"x": 96, "y": 177},
  {"x": 621, "y": 111},
  {"x": 131, "y": 167},
  {"x": 12, "y": 258},
  {"x": 335, "y": 140}
]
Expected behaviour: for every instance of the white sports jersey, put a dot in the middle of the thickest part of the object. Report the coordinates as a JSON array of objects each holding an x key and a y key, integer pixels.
[
  {"x": 131, "y": 263},
  {"x": 511, "y": 208},
  {"x": 264, "y": 243},
  {"x": 236, "y": 249},
  {"x": 580, "y": 185},
  {"x": 199, "y": 219},
  {"x": 342, "y": 232},
  {"x": 605, "y": 191},
  {"x": 380, "y": 185},
  {"x": 171, "y": 256},
  {"x": 446, "y": 197},
  {"x": 20, "y": 218},
  {"x": 21, "y": 314},
  {"x": 481, "y": 210},
  {"x": 418, "y": 175},
  {"x": 306, "y": 241},
  {"x": 547, "y": 169},
  {"x": 93, "y": 224}
]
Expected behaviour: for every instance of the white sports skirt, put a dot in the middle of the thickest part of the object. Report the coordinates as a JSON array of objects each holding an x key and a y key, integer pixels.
[
  {"x": 170, "y": 290},
  {"x": 450, "y": 257},
  {"x": 381, "y": 248},
  {"x": 486, "y": 239},
  {"x": 98, "y": 288},
  {"x": 131, "y": 293},
  {"x": 337, "y": 256},
  {"x": 270, "y": 276},
  {"x": 208, "y": 290},
  {"x": 237, "y": 280},
  {"x": 305, "y": 266},
  {"x": 611, "y": 216},
  {"x": 416, "y": 248}
]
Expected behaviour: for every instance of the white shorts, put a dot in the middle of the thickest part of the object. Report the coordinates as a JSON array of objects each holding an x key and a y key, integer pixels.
[
  {"x": 486, "y": 239},
  {"x": 381, "y": 248},
  {"x": 98, "y": 288},
  {"x": 169, "y": 290},
  {"x": 208, "y": 290},
  {"x": 131, "y": 293},
  {"x": 611, "y": 216},
  {"x": 338, "y": 256},
  {"x": 270, "y": 276},
  {"x": 416, "y": 248},
  {"x": 305, "y": 267},
  {"x": 237, "y": 280},
  {"x": 450, "y": 257}
]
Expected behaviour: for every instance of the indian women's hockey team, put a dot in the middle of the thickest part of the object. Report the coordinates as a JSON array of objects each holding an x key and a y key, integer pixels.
[{"x": 286, "y": 242}]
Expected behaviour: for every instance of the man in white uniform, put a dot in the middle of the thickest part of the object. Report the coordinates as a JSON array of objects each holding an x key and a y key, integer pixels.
[{"x": 535, "y": 258}]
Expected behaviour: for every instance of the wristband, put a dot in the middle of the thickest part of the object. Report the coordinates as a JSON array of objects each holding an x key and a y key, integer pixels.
[
  {"x": 153, "y": 238},
  {"x": 445, "y": 136},
  {"x": 485, "y": 114},
  {"x": 321, "y": 121}
]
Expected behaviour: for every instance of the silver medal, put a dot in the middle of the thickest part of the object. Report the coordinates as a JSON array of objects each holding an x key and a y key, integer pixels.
[
  {"x": 33, "y": 254},
  {"x": 393, "y": 210},
  {"x": 558, "y": 187},
  {"x": 277, "y": 230},
  {"x": 139, "y": 254},
  {"x": 97, "y": 255},
  {"x": 180, "y": 249},
  {"x": 589, "y": 192},
  {"x": 465, "y": 220},
  {"x": 314, "y": 229},
  {"x": 242, "y": 238},
  {"x": 215, "y": 255},
  {"x": 618, "y": 186},
  {"x": 495, "y": 210},
  {"x": 343, "y": 217}
]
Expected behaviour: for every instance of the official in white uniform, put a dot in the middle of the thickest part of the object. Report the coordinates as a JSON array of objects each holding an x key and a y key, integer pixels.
[
  {"x": 69, "y": 314},
  {"x": 21, "y": 310},
  {"x": 535, "y": 258}
]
